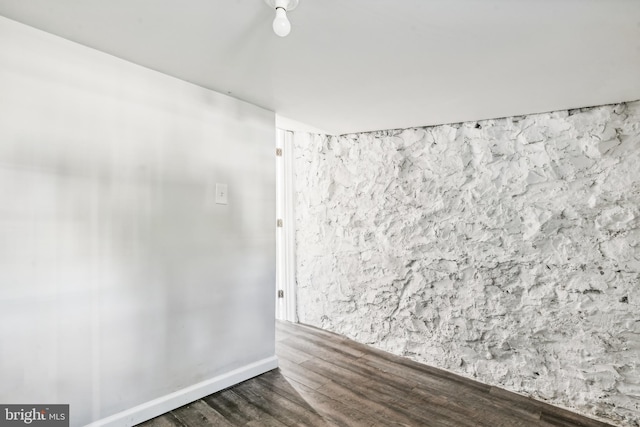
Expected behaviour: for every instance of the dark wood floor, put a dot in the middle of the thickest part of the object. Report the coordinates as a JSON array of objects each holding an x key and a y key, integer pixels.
[{"x": 327, "y": 380}]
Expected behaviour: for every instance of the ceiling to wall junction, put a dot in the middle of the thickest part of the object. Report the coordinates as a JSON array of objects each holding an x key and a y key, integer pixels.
[{"x": 359, "y": 65}]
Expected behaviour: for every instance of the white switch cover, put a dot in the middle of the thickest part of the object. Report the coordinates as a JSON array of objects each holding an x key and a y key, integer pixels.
[{"x": 221, "y": 194}]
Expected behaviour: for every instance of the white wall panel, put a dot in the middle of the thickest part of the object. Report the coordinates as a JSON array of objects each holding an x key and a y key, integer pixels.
[{"x": 121, "y": 279}]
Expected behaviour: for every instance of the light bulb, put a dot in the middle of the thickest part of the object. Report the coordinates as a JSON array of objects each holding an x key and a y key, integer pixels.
[{"x": 281, "y": 25}]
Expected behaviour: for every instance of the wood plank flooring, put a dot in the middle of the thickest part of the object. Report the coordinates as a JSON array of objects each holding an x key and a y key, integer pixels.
[{"x": 327, "y": 380}]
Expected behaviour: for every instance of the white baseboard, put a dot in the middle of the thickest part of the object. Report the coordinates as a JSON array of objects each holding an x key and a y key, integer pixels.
[{"x": 167, "y": 403}]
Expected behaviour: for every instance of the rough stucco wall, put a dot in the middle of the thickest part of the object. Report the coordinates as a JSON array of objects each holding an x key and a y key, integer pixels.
[{"x": 506, "y": 250}]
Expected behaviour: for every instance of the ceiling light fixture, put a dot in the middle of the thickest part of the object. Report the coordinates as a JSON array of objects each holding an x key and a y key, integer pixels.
[{"x": 281, "y": 25}]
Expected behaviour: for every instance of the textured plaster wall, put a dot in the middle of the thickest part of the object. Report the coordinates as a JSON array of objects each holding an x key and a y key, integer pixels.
[{"x": 505, "y": 250}]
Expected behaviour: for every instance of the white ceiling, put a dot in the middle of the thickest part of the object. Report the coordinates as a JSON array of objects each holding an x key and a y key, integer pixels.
[{"x": 358, "y": 65}]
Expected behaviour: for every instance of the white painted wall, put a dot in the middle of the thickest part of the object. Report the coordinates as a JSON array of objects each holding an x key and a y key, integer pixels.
[
  {"x": 121, "y": 280},
  {"x": 504, "y": 250}
]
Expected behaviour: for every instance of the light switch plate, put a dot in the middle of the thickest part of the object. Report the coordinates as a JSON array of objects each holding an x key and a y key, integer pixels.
[{"x": 221, "y": 194}]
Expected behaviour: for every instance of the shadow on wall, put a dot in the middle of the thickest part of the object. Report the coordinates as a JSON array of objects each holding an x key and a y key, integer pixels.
[
  {"x": 121, "y": 281},
  {"x": 118, "y": 261},
  {"x": 505, "y": 250}
]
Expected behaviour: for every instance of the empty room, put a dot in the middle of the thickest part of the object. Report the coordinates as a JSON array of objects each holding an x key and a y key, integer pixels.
[{"x": 319, "y": 213}]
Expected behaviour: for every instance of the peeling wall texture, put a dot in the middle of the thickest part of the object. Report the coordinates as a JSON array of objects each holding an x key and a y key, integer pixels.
[{"x": 504, "y": 250}]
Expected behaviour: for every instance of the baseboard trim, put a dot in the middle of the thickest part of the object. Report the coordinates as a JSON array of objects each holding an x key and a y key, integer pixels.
[{"x": 167, "y": 403}]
